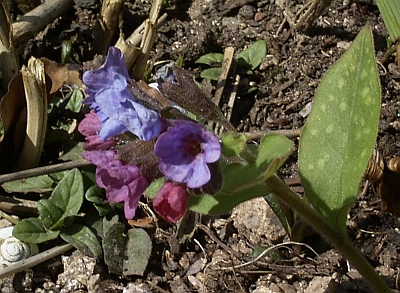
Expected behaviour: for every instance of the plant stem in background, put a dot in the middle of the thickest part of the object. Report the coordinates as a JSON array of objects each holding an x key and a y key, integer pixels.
[{"x": 341, "y": 242}]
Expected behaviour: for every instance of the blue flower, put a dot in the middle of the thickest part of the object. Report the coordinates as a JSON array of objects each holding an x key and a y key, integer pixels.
[
  {"x": 184, "y": 150},
  {"x": 109, "y": 95}
]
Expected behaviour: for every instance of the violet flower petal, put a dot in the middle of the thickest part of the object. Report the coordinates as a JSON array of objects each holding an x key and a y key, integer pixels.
[
  {"x": 184, "y": 151},
  {"x": 109, "y": 95}
]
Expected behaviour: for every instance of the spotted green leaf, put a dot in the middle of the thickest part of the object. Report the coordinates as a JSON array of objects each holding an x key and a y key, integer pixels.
[{"x": 340, "y": 133}]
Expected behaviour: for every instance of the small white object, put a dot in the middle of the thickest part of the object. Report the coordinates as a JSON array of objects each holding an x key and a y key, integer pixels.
[{"x": 13, "y": 250}]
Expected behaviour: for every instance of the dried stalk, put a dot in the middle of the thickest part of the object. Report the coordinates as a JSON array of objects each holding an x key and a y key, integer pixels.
[
  {"x": 37, "y": 19},
  {"x": 33, "y": 78},
  {"x": 312, "y": 13},
  {"x": 129, "y": 47},
  {"x": 34, "y": 260},
  {"x": 149, "y": 36},
  {"x": 43, "y": 170},
  {"x": 107, "y": 25}
]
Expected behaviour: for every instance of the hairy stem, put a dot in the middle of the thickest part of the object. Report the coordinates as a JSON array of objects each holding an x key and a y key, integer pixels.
[{"x": 341, "y": 242}]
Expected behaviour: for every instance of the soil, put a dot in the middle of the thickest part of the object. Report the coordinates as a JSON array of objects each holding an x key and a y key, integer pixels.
[{"x": 285, "y": 83}]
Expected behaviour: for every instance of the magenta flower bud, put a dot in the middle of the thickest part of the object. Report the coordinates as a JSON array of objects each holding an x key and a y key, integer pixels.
[{"x": 171, "y": 201}]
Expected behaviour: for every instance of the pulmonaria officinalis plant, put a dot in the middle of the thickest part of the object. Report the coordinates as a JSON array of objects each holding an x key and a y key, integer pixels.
[
  {"x": 211, "y": 175},
  {"x": 180, "y": 149}
]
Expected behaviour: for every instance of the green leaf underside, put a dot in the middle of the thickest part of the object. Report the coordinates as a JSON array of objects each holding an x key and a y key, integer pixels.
[
  {"x": 138, "y": 251},
  {"x": 339, "y": 135},
  {"x": 32, "y": 230},
  {"x": 244, "y": 182}
]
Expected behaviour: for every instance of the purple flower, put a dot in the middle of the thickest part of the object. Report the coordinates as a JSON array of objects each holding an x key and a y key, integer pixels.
[
  {"x": 89, "y": 127},
  {"x": 171, "y": 201},
  {"x": 184, "y": 151},
  {"x": 123, "y": 183},
  {"x": 109, "y": 95}
]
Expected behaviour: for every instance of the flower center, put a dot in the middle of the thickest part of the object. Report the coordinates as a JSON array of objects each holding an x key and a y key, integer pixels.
[{"x": 193, "y": 147}]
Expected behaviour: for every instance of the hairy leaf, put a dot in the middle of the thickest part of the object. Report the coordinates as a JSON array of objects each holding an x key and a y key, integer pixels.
[
  {"x": 32, "y": 230},
  {"x": 68, "y": 195},
  {"x": 339, "y": 136},
  {"x": 82, "y": 238},
  {"x": 138, "y": 251}
]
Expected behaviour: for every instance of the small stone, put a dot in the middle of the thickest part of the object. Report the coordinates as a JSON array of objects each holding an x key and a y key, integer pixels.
[{"x": 259, "y": 16}]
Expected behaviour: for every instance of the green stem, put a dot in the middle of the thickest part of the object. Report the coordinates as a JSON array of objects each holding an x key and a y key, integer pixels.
[{"x": 341, "y": 242}]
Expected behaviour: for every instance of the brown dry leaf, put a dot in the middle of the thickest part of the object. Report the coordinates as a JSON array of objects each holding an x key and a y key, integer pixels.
[
  {"x": 60, "y": 74},
  {"x": 13, "y": 116}
]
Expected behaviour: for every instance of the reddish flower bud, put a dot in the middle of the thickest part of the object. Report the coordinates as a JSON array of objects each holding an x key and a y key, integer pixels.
[{"x": 171, "y": 201}]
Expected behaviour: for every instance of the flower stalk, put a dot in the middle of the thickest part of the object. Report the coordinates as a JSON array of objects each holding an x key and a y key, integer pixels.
[{"x": 341, "y": 242}]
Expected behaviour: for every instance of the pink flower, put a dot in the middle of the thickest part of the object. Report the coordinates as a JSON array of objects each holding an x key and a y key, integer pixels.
[
  {"x": 171, "y": 201},
  {"x": 123, "y": 183},
  {"x": 89, "y": 127}
]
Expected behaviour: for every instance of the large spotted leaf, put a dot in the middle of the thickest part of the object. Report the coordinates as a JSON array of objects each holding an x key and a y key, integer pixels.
[{"x": 339, "y": 136}]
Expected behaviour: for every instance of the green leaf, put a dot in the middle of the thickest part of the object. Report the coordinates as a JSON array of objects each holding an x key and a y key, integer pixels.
[
  {"x": 273, "y": 147},
  {"x": 83, "y": 239},
  {"x": 114, "y": 245},
  {"x": 138, "y": 252},
  {"x": 211, "y": 73},
  {"x": 94, "y": 194},
  {"x": 390, "y": 10},
  {"x": 154, "y": 187},
  {"x": 38, "y": 184},
  {"x": 253, "y": 55},
  {"x": 32, "y": 230},
  {"x": 74, "y": 153},
  {"x": 211, "y": 58},
  {"x": 232, "y": 144},
  {"x": 49, "y": 213},
  {"x": 244, "y": 182},
  {"x": 75, "y": 101},
  {"x": 68, "y": 196},
  {"x": 340, "y": 133},
  {"x": 285, "y": 217}
]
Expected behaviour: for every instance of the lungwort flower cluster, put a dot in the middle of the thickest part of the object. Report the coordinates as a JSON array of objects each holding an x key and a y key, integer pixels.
[{"x": 180, "y": 150}]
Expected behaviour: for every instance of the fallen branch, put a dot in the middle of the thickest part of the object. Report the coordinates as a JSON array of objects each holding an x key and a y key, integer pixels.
[{"x": 37, "y": 19}]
